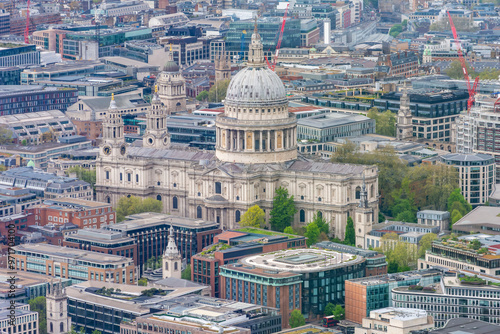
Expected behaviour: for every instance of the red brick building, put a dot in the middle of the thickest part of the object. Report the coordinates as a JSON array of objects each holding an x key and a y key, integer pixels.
[
  {"x": 403, "y": 63},
  {"x": 230, "y": 246},
  {"x": 84, "y": 214},
  {"x": 19, "y": 222}
]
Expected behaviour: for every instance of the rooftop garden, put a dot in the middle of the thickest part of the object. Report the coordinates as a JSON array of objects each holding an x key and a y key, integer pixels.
[
  {"x": 216, "y": 247},
  {"x": 472, "y": 280},
  {"x": 264, "y": 232},
  {"x": 473, "y": 246},
  {"x": 428, "y": 289}
]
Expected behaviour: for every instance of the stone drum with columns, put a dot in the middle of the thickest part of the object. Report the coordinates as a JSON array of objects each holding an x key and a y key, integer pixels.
[{"x": 256, "y": 153}]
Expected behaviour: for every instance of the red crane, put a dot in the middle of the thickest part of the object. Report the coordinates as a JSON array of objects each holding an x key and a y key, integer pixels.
[
  {"x": 280, "y": 38},
  {"x": 471, "y": 90},
  {"x": 27, "y": 29}
]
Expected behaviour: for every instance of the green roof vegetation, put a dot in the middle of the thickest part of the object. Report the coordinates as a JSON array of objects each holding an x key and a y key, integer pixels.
[{"x": 265, "y": 232}]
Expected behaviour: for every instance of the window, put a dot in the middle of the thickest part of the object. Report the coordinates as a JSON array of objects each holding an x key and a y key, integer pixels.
[
  {"x": 136, "y": 177},
  {"x": 238, "y": 216},
  {"x": 107, "y": 175},
  {"x": 175, "y": 205},
  {"x": 129, "y": 177},
  {"x": 198, "y": 212},
  {"x": 176, "y": 266},
  {"x": 358, "y": 192},
  {"x": 302, "y": 215},
  {"x": 158, "y": 198},
  {"x": 218, "y": 188}
]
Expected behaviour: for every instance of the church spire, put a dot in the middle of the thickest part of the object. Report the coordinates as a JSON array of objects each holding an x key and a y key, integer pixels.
[
  {"x": 171, "y": 249},
  {"x": 171, "y": 262}
]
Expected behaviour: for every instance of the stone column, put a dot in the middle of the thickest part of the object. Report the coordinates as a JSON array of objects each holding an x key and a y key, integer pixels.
[
  {"x": 268, "y": 140},
  {"x": 238, "y": 144},
  {"x": 260, "y": 141},
  {"x": 228, "y": 141}
]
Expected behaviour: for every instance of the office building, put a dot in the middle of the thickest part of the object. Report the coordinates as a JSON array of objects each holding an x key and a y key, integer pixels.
[
  {"x": 328, "y": 127},
  {"x": 434, "y": 218},
  {"x": 15, "y": 200},
  {"x": 459, "y": 254},
  {"x": 10, "y": 75},
  {"x": 232, "y": 245},
  {"x": 196, "y": 314},
  {"x": 469, "y": 326},
  {"x": 395, "y": 321},
  {"x": 46, "y": 185},
  {"x": 476, "y": 173},
  {"x": 82, "y": 213},
  {"x": 304, "y": 279},
  {"x": 25, "y": 321},
  {"x": 97, "y": 306},
  {"x": 18, "y": 23},
  {"x": 28, "y": 285},
  {"x": 39, "y": 155},
  {"x": 407, "y": 232},
  {"x": 76, "y": 264},
  {"x": 17, "y": 54},
  {"x": 34, "y": 99},
  {"x": 150, "y": 231},
  {"x": 363, "y": 295},
  {"x": 67, "y": 70},
  {"x": 28, "y": 128},
  {"x": 482, "y": 219},
  {"x": 434, "y": 112},
  {"x": 458, "y": 295}
]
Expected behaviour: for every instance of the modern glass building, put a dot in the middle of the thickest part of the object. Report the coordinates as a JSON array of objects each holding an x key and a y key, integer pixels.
[{"x": 240, "y": 32}]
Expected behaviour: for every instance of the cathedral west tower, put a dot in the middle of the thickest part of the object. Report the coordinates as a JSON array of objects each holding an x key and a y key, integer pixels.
[
  {"x": 256, "y": 126},
  {"x": 172, "y": 87}
]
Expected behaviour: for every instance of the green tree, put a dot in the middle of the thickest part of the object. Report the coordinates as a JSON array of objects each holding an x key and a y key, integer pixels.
[
  {"x": 154, "y": 262},
  {"x": 5, "y": 135},
  {"x": 142, "y": 282},
  {"x": 455, "y": 216},
  {"x": 396, "y": 30},
  {"x": 456, "y": 196},
  {"x": 203, "y": 96},
  {"x": 24, "y": 142},
  {"x": 425, "y": 244},
  {"x": 350, "y": 233},
  {"x": 296, "y": 319},
  {"x": 283, "y": 210},
  {"x": 289, "y": 230},
  {"x": 133, "y": 205},
  {"x": 345, "y": 153},
  {"x": 217, "y": 92},
  {"x": 39, "y": 304},
  {"x": 338, "y": 312},
  {"x": 385, "y": 122},
  {"x": 95, "y": 331},
  {"x": 329, "y": 309},
  {"x": 312, "y": 234},
  {"x": 87, "y": 175},
  {"x": 254, "y": 217},
  {"x": 475, "y": 244},
  {"x": 186, "y": 273}
]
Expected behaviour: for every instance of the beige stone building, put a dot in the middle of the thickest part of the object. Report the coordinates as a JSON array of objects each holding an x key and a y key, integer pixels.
[
  {"x": 392, "y": 320},
  {"x": 256, "y": 153}
]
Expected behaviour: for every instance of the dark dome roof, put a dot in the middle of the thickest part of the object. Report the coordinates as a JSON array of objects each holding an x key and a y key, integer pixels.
[{"x": 171, "y": 66}]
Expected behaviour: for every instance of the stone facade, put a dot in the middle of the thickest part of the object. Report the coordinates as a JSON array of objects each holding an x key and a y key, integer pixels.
[
  {"x": 256, "y": 154},
  {"x": 172, "y": 87},
  {"x": 404, "y": 126}
]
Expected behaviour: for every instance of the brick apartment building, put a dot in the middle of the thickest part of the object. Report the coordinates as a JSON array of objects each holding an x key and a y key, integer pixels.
[
  {"x": 404, "y": 63},
  {"x": 82, "y": 213}
]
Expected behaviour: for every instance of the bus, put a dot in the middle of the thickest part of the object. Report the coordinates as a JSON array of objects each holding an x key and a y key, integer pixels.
[{"x": 330, "y": 321}]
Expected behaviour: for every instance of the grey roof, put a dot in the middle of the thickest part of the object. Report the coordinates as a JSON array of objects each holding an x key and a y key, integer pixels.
[
  {"x": 125, "y": 101},
  {"x": 325, "y": 167},
  {"x": 331, "y": 119},
  {"x": 467, "y": 157},
  {"x": 467, "y": 326},
  {"x": 173, "y": 282}
]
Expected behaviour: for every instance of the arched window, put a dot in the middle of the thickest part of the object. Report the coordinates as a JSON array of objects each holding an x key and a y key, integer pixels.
[
  {"x": 302, "y": 215},
  {"x": 358, "y": 192},
  {"x": 372, "y": 193},
  {"x": 158, "y": 198},
  {"x": 51, "y": 327},
  {"x": 238, "y": 216},
  {"x": 61, "y": 327},
  {"x": 175, "y": 205},
  {"x": 176, "y": 266},
  {"x": 108, "y": 199},
  {"x": 166, "y": 265},
  {"x": 319, "y": 214},
  {"x": 198, "y": 212}
]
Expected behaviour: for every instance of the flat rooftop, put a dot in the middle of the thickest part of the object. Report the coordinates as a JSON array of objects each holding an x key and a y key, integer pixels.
[
  {"x": 150, "y": 219},
  {"x": 384, "y": 279},
  {"x": 301, "y": 260},
  {"x": 330, "y": 120},
  {"x": 75, "y": 203},
  {"x": 481, "y": 216},
  {"x": 402, "y": 314},
  {"x": 99, "y": 235},
  {"x": 71, "y": 253},
  {"x": 467, "y": 326}
]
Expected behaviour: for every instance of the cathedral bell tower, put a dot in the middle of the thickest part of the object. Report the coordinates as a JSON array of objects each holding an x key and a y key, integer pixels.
[
  {"x": 171, "y": 258},
  {"x": 172, "y": 86},
  {"x": 404, "y": 127},
  {"x": 58, "y": 321},
  {"x": 113, "y": 140},
  {"x": 156, "y": 135},
  {"x": 364, "y": 216},
  {"x": 222, "y": 67}
]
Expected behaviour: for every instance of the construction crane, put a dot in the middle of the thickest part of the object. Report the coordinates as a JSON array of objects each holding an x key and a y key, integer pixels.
[
  {"x": 278, "y": 45},
  {"x": 471, "y": 90},
  {"x": 27, "y": 29}
]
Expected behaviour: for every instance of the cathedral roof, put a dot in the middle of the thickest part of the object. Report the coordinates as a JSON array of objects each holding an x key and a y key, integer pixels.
[{"x": 171, "y": 66}]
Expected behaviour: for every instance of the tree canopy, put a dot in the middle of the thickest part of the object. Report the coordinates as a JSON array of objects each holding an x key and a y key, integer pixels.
[
  {"x": 425, "y": 244},
  {"x": 296, "y": 319},
  {"x": 283, "y": 210},
  {"x": 455, "y": 71},
  {"x": 186, "y": 273},
  {"x": 350, "y": 233},
  {"x": 203, "y": 96},
  {"x": 312, "y": 234},
  {"x": 385, "y": 122},
  {"x": 87, "y": 175},
  {"x": 39, "y": 304},
  {"x": 133, "y": 205},
  {"x": 217, "y": 92},
  {"x": 254, "y": 217}
]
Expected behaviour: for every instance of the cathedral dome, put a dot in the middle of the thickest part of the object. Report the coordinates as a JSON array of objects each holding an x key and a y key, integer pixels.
[
  {"x": 255, "y": 86},
  {"x": 171, "y": 66}
]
